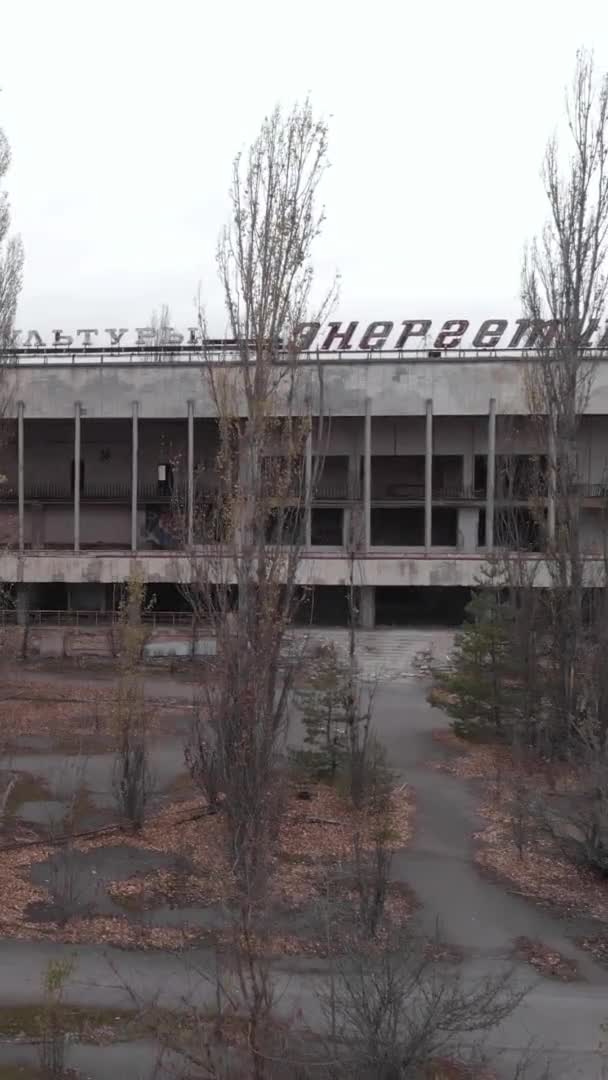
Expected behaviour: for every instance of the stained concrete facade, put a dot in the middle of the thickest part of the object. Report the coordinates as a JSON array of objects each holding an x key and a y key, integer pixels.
[{"x": 410, "y": 467}]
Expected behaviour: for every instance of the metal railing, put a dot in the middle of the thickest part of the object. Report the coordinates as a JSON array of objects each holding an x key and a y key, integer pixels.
[{"x": 58, "y": 617}]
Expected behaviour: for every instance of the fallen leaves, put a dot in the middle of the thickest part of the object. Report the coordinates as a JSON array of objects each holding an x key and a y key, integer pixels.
[
  {"x": 540, "y": 871},
  {"x": 547, "y": 961}
]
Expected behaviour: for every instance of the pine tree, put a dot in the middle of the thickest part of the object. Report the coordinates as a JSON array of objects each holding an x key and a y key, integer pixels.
[
  {"x": 475, "y": 691},
  {"x": 323, "y": 703}
]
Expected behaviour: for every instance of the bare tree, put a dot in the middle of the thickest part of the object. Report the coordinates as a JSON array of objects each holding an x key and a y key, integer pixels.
[
  {"x": 250, "y": 516},
  {"x": 132, "y": 778},
  {"x": 392, "y": 1011},
  {"x": 11, "y": 259},
  {"x": 11, "y": 277},
  {"x": 565, "y": 288}
]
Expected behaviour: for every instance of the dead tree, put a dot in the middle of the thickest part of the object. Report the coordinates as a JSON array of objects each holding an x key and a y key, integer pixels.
[
  {"x": 564, "y": 295},
  {"x": 11, "y": 259},
  {"x": 11, "y": 277},
  {"x": 251, "y": 508},
  {"x": 243, "y": 574}
]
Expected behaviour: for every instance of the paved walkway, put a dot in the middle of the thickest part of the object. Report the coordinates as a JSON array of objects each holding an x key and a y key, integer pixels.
[{"x": 479, "y": 916}]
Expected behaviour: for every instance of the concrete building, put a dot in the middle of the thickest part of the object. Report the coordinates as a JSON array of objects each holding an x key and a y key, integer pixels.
[{"x": 96, "y": 440}]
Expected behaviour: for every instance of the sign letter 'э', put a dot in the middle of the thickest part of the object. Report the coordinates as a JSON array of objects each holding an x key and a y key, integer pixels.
[
  {"x": 304, "y": 335},
  {"x": 417, "y": 328},
  {"x": 489, "y": 333},
  {"x": 375, "y": 336},
  {"x": 342, "y": 336},
  {"x": 451, "y": 334}
]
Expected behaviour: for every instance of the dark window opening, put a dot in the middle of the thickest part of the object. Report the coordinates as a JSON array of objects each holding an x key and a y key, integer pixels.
[
  {"x": 428, "y": 605},
  {"x": 480, "y": 475},
  {"x": 326, "y": 527},
  {"x": 331, "y": 478},
  {"x": 521, "y": 476},
  {"x": 518, "y": 476},
  {"x": 447, "y": 475},
  {"x": 398, "y": 527},
  {"x": 517, "y": 529},
  {"x": 444, "y": 527},
  {"x": 322, "y": 605}
]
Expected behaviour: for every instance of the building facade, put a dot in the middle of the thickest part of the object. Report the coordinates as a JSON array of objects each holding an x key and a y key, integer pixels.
[{"x": 97, "y": 440}]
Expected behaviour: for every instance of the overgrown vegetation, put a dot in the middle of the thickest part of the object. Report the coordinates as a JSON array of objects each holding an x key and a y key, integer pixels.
[
  {"x": 132, "y": 778},
  {"x": 530, "y": 666}
]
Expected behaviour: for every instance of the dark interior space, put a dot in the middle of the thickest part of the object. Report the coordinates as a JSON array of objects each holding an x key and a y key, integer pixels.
[
  {"x": 397, "y": 477},
  {"x": 444, "y": 527},
  {"x": 480, "y": 473},
  {"x": 331, "y": 477},
  {"x": 326, "y": 526},
  {"x": 420, "y": 605},
  {"x": 517, "y": 475},
  {"x": 324, "y": 605},
  {"x": 402, "y": 477},
  {"x": 404, "y": 526},
  {"x": 162, "y": 596},
  {"x": 447, "y": 475},
  {"x": 49, "y": 596},
  {"x": 516, "y": 528},
  {"x": 397, "y": 526}
]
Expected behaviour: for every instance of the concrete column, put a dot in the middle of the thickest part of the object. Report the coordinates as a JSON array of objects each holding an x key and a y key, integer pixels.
[
  {"x": 351, "y": 532},
  {"x": 367, "y": 476},
  {"x": 428, "y": 478},
  {"x": 491, "y": 475},
  {"x": 77, "y": 411},
  {"x": 308, "y": 492},
  {"x": 20, "y": 474},
  {"x": 552, "y": 481},
  {"x": 134, "y": 472},
  {"x": 468, "y": 464},
  {"x": 190, "y": 536},
  {"x": 468, "y": 528},
  {"x": 367, "y": 607},
  {"x": 22, "y": 604}
]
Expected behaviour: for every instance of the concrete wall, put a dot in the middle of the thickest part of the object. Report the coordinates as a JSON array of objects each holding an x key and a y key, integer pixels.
[
  {"x": 401, "y": 568},
  {"x": 457, "y": 388}
]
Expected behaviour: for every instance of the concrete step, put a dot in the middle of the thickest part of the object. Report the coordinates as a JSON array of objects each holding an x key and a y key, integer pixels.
[{"x": 382, "y": 654}]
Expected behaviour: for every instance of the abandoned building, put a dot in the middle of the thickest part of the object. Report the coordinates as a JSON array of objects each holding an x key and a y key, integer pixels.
[{"x": 425, "y": 450}]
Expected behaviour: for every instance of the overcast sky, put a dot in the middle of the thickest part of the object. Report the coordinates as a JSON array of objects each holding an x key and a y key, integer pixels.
[{"x": 124, "y": 117}]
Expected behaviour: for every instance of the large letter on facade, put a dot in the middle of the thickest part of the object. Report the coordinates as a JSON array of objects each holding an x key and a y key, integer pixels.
[
  {"x": 417, "y": 328},
  {"x": 33, "y": 336},
  {"x": 115, "y": 335},
  {"x": 451, "y": 334},
  {"x": 540, "y": 332},
  {"x": 86, "y": 339},
  {"x": 61, "y": 339},
  {"x": 336, "y": 334},
  {"x": 304, "y": 335},
  {"x": 489, "y": 333},
  {"x": 375, "y": 336}
]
